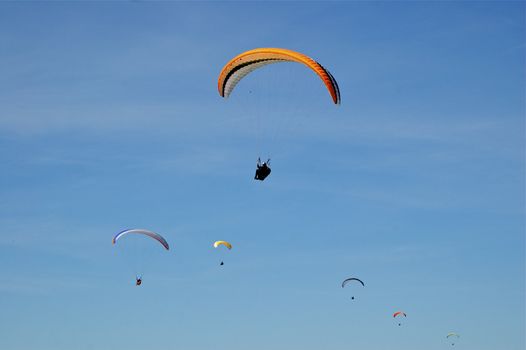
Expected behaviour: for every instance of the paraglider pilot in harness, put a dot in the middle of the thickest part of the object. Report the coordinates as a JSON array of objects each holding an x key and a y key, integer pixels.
[
  {"x": 263, "y": 170},
  {"x": 138, "y": 280}
]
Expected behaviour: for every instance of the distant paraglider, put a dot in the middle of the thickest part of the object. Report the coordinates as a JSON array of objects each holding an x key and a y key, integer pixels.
[
  {"x": 348, "y": 280},
  {"x": 398, "y": 315},
  {"x": 147, "y": 233},
  {"x": 222, "y": 243},
  {"x": 453, "y": 336}
]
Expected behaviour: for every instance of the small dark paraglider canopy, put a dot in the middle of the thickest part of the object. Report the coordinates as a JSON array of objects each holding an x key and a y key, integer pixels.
[{"x": 344, "y": 283}]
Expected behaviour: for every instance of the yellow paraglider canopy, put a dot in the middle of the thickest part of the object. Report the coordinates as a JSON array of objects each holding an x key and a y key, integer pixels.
[{"x": 225, "y": 243}]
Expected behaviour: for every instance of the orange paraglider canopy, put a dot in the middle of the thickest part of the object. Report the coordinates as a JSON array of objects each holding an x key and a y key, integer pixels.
[{"x": 246, "y": 62}]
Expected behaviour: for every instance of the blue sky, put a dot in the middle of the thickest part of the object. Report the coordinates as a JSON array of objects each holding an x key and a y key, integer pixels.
[{"x": 110, "y": 119}]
